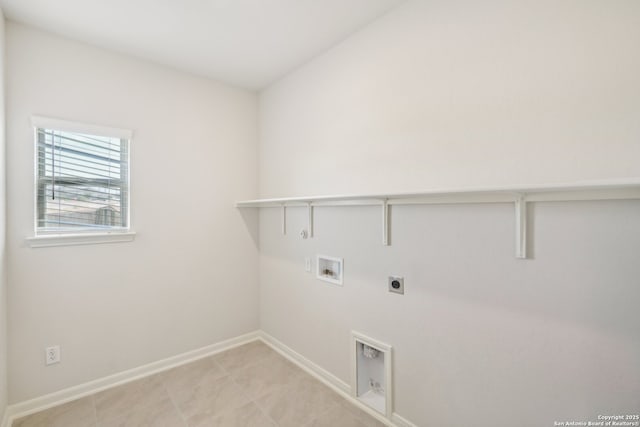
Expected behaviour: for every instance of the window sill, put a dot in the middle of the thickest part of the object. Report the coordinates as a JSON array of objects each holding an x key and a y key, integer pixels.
[{"x": 79, "y": 239}]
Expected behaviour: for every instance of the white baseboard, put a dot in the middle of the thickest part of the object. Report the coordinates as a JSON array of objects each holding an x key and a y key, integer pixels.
[
  {"x": 401, "y": 422},
  {"x": 21, "y": 409},
  {"x": 335, "y": 383},
  {"x": 306, "y": 364},
  {"x": 18, "y": 410}
]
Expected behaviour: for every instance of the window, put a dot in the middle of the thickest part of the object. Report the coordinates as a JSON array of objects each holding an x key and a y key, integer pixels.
[{"x": 82, "y": 178}]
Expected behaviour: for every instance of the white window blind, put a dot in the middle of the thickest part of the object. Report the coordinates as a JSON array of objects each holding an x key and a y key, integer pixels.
[{"x": 82, "y": 182}]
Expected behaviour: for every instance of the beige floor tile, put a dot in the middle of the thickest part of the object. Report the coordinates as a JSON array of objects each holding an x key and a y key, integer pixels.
[
  {"x": 188, "y": 376},
  {"x": 245, "y": 355},
  {"x": 209, "y": 398},
  {"x": 266, "y": 377},
  {"x": 296, "y": 405},
  {"x": 79, "y": 413},
  {"x": 361, "y": 416},
  {"x": 336, "y": 416},
  {"x": 129, "y": 397},
  {"x": 214, "y": 392},
  {"x": 248, "y": 415},
  {"x": 162, "y": 414},
  {"x": 345, "y": 415}
]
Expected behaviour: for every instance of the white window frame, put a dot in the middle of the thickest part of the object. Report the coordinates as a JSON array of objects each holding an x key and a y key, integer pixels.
[{"x": 78, "y": 237}]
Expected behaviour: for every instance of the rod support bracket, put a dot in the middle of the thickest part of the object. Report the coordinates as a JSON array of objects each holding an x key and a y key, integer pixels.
[
  {"x": 310, "y": 219},
  {"x": 284, "y": 219},
  {"x": 385, "y": 222},
  {"x": 521, "y": 226}
]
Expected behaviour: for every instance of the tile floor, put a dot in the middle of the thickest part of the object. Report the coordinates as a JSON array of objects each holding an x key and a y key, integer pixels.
[{"x": 248, "y": 386}]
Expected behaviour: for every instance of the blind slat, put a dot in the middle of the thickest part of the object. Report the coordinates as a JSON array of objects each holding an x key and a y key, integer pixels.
[
  {"x": 113, "y": 163},
  {"x": 79, "y": 152},
  {"x": 66, "y": 169},
  {"x": 65, "y": 136},
  {"x": 85, "y": 204},
  {"x": 84, "y": 192},
  {"x": 82, "y": 181}
]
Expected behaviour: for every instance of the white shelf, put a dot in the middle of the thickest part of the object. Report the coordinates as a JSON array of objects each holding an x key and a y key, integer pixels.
[
  {"x": 592, "y": 190},
  {"x": 518, "y": 195}
]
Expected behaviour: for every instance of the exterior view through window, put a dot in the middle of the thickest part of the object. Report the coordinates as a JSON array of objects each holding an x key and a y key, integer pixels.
[{"x": 82, "y": 182}]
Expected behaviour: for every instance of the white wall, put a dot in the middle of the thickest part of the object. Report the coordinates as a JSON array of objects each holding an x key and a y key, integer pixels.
[
  {"x": 3, "y": 258},
  {"x": 461, "y": 93},
  {"x": 116, "y": 306},
  {"x": 480, "y": 338},
  {"x": 466, "y": 94}
]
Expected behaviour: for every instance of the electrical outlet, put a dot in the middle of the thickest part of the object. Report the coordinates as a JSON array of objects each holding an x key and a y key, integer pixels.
[
  {"x": 307, "y": 265},
  {"x": 396, "y": 284},
  {"x": 52, "y": 355}
]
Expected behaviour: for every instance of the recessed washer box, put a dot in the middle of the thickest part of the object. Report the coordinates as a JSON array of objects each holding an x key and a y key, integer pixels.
[
  {"x": 330, "y": 269},
  {"x": 371, "y": 381}
]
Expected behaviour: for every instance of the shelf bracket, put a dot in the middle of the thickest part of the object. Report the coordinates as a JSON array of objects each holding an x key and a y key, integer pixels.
[
  {"x": 284, "y": 219},
  {"x": 521, "y": 227},
  {"x": 385, "y": 222},
  {"x": 310, "y": 219}
]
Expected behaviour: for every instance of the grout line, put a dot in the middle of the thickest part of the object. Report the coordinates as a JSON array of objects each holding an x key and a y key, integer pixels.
[
  {"x": 264, "y": 412},
  {"x": 57, "y": 398},
  {"x": 328, "y": 380},
  {"x": 319, "y": 416},
  {"x": 300, "y": 375},
  {"x": 173, "y": 403},
  {"x": 175, "y": 406},
  {"x": 232, "y": 376},
  {"x": 224, "y": 374},
  {"x": 215, "y": 362},
  {"x": 132, "y": 408},
  {"x": 252, "y": 400},
  {"x": 95, "y": 408}
]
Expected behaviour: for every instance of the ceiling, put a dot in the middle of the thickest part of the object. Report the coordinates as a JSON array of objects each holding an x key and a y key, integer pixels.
[{"x": 249, "y": 43}]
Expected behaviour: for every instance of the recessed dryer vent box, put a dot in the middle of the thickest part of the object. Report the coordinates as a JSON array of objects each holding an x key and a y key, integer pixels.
[
  {"x": 330, "y": 269},
  {"x": 371, "y": 381}
]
